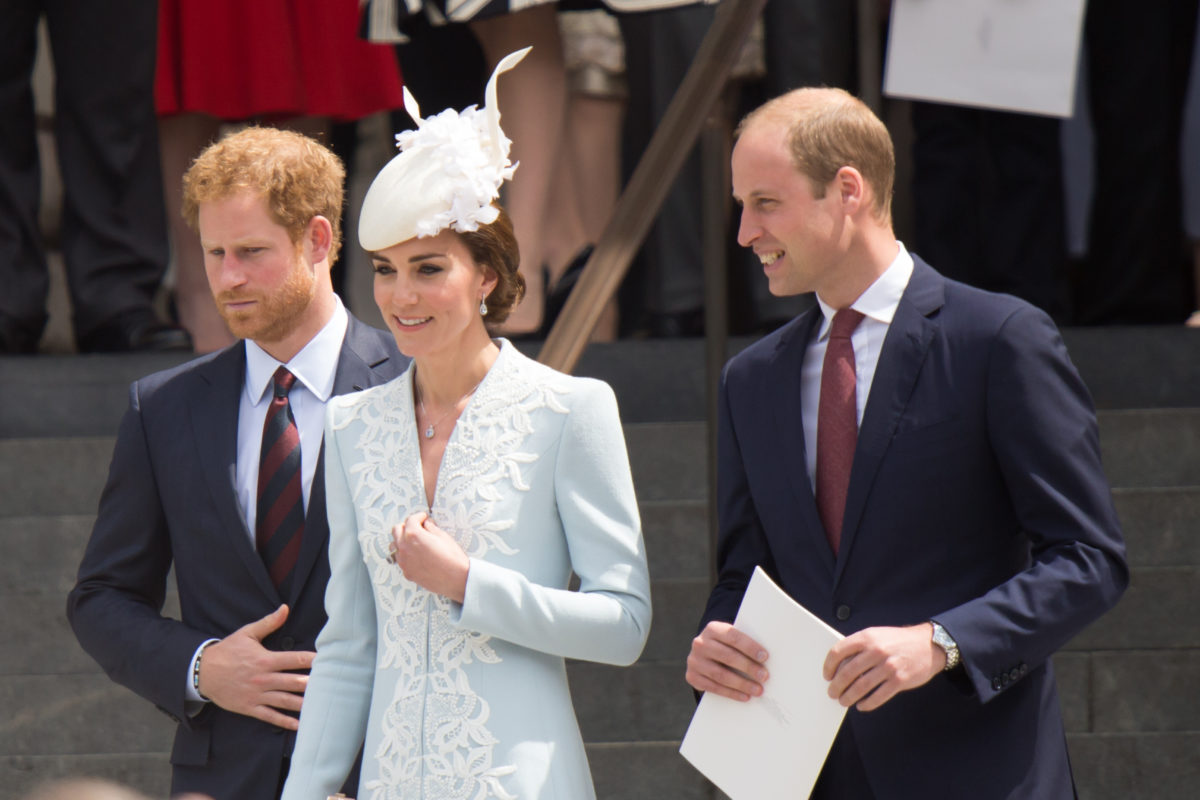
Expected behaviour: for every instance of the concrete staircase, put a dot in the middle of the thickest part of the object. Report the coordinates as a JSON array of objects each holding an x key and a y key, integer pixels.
[{"x": 1130, "y": 684}]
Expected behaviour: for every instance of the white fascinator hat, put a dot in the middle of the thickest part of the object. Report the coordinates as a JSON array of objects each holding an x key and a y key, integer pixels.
[{"x": 447, "y": 174}]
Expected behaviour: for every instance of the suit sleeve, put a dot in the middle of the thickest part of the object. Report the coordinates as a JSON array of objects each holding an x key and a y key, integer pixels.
[
  {"x": 337, "y": 701},
  {"x": 116, "y": 606},
  {"x": 608, "y": 619},
  {"x": 1045, "y": 438},
  {"x": 741, "y": 543}
]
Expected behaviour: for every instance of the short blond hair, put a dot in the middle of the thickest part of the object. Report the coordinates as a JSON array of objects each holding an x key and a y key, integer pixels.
[
  {"x": 829, "y": 129},
  {"x": 299, "y": 178}
]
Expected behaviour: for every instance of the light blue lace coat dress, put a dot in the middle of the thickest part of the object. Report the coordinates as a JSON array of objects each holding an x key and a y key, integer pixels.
[{"x": 467, "y": 702}]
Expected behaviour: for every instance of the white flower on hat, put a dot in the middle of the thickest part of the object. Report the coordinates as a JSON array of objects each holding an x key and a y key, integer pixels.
[{"x": 447, "y": 174}]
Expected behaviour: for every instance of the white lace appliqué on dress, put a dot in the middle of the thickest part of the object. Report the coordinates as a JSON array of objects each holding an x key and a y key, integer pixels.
[{"x": 435, "y": 743}]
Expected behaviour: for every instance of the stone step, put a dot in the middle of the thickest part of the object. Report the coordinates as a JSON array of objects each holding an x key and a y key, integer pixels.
[
  {"x": 1155, "y": 448},
  {"x": 620, "y": 771},
  {"x": 50, "y": 396},
  {"x": 645, "y": 771},
  {"x": 644, "y": 702},
  {"x": 1129, "y": 691},
  {"x": 1157, "y": 611},
  {"x": 678, "y": 604},
  {"x": 37, "y": 639},
  {"x": 1161, "y": 527},
  {"x": 49, "y": 551},
  {"x": 655, "y": 380},
  {"x": 77, "y": 715},
  {"x": 1106, "y": 767},
  {"x": 54, "y": 476},
  {"x": 1151, "y": 447},
  {"x": 1162, "y": 766},
  {"x": 51, "y": 546},
  {"x": 677, "y": 538},
  {"x": 112, "y": 733},
  {"x": 65, "y": 475},
  {"x": 149, "y": 773}
]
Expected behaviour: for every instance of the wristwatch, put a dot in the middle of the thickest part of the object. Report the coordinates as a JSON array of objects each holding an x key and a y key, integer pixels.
[{"x": 944, "y": 641}]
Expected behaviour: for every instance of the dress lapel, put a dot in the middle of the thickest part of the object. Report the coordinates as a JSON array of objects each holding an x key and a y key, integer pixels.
[
  {"x": 904, "y": 350},
  {"x": 214, "y": 412}
]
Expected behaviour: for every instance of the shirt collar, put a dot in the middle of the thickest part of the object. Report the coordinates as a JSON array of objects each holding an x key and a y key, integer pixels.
[
  {"x": 882, "y": 298},
  {"x": 314, "y": 366}
]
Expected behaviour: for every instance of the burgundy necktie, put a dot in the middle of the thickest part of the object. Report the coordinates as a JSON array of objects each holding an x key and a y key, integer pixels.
[
  {"x": 280, "y": 523},
  {"x": 837, "y": 424}
]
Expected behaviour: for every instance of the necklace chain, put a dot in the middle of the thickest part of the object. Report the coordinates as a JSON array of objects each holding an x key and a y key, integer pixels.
[{"x": 429, "y": 428}]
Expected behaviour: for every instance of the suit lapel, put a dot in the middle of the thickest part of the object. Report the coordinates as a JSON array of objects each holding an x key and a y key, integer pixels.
[
  {"x": 214, "y": 412},
  {"x": 904, "y": 350},
  {"x": 360, "y": 360},
  {"x": 789, "y": 421}
]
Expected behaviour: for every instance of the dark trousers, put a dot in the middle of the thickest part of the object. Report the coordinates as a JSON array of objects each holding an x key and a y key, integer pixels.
[
  {"x": 988, "y": 199},
  {"x": 843, "y": 776},
  {"x": 113, "y": 232},
  {"x": 668, "y": 277},
  {"x": 1138, "y": 60}
]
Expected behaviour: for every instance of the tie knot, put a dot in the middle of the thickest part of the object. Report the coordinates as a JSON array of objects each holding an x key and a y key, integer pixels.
[
  {"x": 283, "y": 382},
  {"x": 844, "y": 323}
]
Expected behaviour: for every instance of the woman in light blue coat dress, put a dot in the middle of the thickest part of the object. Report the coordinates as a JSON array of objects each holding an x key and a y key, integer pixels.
[{"x": 462, "y": 496}]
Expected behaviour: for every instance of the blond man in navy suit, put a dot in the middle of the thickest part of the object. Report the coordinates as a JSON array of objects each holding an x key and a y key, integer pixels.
[{"x": 975, "y": 533}]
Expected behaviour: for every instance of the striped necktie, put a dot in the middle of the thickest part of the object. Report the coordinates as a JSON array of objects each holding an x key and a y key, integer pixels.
[{"x": 280, "y": 523}]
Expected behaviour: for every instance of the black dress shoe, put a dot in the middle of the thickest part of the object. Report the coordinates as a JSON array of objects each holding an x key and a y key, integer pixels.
[
  {"x": 556, "y": 299},
  {"x": 134, "y": 331}
]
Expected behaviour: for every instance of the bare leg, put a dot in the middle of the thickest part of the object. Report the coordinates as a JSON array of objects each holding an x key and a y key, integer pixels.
[
  {"x": 594, "y": 153},
  {"x": 533, "y": 101},
  {"x": 182, "y": 137},
  {"x": 594, "y": 139},
  {"x": 565, "y": 232}
]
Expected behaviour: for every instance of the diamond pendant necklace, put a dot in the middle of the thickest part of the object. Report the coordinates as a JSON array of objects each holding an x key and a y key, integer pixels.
[{"x": 429, "y": 429}]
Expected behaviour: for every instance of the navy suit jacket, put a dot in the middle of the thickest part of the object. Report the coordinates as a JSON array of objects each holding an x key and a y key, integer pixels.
[
  {"x": 976, "y": 498},
  {"x": 171, "y": 497}
]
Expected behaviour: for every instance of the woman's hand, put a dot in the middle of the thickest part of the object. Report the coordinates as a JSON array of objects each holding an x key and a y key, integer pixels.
[{"x": 429, "y": 557}]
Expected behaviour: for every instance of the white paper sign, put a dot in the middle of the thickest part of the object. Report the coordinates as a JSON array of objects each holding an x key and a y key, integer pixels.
[
  {"x": 1017, "y": 55},
  {"x": 772, "y": 746}
]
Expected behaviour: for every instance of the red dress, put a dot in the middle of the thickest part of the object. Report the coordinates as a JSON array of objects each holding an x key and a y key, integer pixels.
[{"x": 239, "y": 59}]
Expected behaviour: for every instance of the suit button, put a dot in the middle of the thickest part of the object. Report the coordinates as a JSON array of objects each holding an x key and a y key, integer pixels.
[
  {"x": 287, "y": 643},
  {"x": 843, "y": 612},
  {"x": 1014, "y": 673},
  {"x": 996, "y": 685}
]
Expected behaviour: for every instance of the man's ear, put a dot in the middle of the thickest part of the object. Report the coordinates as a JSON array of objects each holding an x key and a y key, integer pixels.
[
  {"x": 852, "y": 189},
  {"x": 319, "y": 237}
]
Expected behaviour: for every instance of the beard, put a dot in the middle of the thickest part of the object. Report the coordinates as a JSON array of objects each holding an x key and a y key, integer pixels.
[{"x": 275, "y": 315}]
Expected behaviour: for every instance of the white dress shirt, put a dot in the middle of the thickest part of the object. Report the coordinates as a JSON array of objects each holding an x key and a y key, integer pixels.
[
  {"x": 314, "y": 367},
  {"x": 877, "y": 305}
]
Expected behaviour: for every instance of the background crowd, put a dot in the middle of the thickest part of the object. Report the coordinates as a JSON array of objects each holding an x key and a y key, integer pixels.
[{"x": 1096, "y": 219}]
